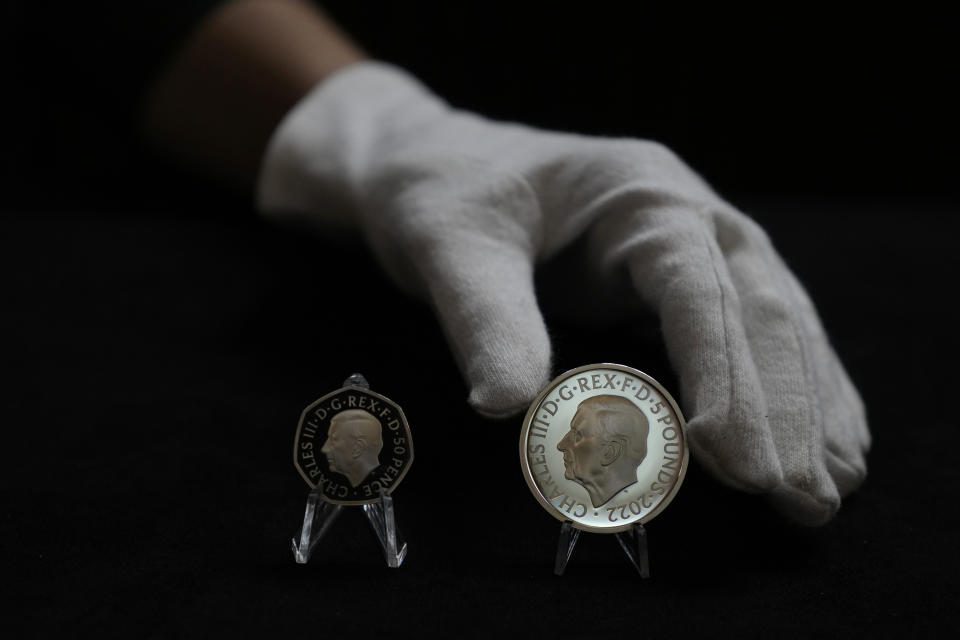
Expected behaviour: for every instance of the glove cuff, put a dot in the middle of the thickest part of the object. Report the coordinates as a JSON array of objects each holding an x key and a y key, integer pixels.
[{"x": 317, "y": 156}]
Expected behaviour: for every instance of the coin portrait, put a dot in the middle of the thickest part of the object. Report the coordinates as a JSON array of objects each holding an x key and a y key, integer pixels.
[
  {"x": 352, "y": 445},
  {"x": 604, "y": 446},
  {"x": 606, "y": 443}
]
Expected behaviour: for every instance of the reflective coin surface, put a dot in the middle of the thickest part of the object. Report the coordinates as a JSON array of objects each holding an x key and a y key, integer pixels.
[
  {"x": 352, "y": 445},
  {"x": 604, "y": 446}
]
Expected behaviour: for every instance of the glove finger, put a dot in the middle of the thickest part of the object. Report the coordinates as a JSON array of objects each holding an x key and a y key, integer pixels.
[
  {"x": 462, "y": 235},
  {"x": 846, "y": 451},
  {"x": 786, "y": 359},
  {"x": 845, "y": 424},
  {"x": 483, "y": 293},
  {"x": 676, "y": 267}
]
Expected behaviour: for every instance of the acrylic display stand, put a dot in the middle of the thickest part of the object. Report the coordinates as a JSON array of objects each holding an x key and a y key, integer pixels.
[
  {"x": 633, "y": 541},
  {"x": 318, "y": 517}
]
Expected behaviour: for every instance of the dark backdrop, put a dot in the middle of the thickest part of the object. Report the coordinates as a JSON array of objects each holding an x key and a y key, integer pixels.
[
  {"x": 823, "y": 100},
  {"x": 832, "y": 99},
  {"x": 160, "y": 341}
]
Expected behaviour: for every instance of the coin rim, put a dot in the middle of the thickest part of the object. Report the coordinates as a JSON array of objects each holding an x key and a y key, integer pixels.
[
  {"x": 525, "y": 463},
  {"x": 296, "y": 441}
]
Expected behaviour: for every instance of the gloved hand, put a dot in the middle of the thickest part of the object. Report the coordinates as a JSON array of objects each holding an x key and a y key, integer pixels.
[{"x": 459, "y": 209}]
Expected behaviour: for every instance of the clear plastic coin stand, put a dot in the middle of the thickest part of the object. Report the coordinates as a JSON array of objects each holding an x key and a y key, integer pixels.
[
  {"x": 319, "y": 516},
  {"x": 633, "y": 541}
]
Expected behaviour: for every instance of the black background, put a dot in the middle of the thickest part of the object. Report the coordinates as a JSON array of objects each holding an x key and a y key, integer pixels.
[
  {"x": 821, "y": 99},
  {"x": 160, "y": 340}
]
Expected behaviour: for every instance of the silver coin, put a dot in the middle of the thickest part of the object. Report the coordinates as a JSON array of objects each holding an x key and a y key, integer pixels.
[
  {"x": 352, "y": 445},
  {"x": 604, "y": 446}
]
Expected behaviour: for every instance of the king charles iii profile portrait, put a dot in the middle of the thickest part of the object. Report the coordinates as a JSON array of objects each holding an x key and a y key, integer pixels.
[
  {"x": 606, "y": 443},
  {"x": 353, "y": 444}
]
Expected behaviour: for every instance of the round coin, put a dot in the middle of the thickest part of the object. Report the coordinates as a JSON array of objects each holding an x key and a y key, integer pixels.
[
  {"x": 352, "y": 445},
  {"x": 604, "y": 446}
]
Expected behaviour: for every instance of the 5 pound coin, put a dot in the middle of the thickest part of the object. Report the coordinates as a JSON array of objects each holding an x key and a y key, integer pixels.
[{"x": 604, "y": 446}]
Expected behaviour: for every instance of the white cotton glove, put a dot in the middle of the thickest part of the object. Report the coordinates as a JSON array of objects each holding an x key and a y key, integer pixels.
[{"x": 459, "y": 209}]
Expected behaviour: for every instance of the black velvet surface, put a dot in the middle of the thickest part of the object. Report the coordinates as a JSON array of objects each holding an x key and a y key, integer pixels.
[
  {"x": 157, "y": 367},
  {"x": 159, "y": 342}
]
